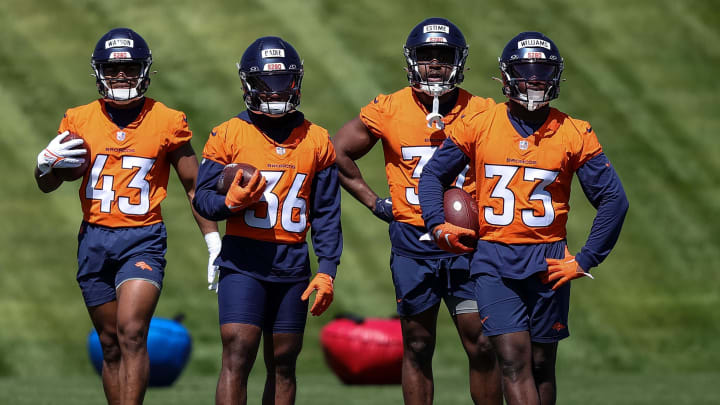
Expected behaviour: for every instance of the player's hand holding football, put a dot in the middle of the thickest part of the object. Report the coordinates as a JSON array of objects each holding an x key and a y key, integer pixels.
[
  {"x": 60, "y": 154},
  {"x": 562, "y": 270},
  {"x": 447, "y": 237},
  {"x": 238, "y": 197},
  {"x": 323, "y": 283}
]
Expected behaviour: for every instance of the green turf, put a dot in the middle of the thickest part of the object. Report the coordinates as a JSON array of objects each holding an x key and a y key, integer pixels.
[{"x": 642, "y": 72}]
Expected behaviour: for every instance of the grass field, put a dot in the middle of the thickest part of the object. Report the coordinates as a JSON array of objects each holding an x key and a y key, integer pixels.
[{"x": 643, "y": 73}]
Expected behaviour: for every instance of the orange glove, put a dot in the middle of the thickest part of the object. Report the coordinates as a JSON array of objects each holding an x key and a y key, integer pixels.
[
  {"x": 238, "y": 197},
  {"x": 447, "y": 237},
  {"x": 323, "y": 283},
  {"x": 563, "y": 270}
]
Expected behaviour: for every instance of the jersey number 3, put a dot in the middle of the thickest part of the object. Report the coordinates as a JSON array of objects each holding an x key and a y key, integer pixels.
[
  {"x": 501, "y": 191},
  {"x": 424, "y": 153}
]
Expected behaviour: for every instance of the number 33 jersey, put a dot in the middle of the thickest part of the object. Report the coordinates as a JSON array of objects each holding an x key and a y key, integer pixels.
[
  {"x": 289, "y": 168},
  {"x": 129, "y": 167},
  {"x": 523, "y": 183}
]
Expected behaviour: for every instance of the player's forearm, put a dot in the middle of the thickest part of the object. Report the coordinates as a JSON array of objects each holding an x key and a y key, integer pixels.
[
  {"x": 603, "y": 188},
  {"x": 352, "y": 181},
  {"x": 326, "y": 230},
  {"x": 438, "y": 173},
  {"x": 207, "y": 202},
  {"x": 48, "y": 182}
]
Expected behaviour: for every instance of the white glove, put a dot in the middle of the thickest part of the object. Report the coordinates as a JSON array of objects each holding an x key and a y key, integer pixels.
[
  {"x": 60, "y": 155},
  {"x": 214, "y": 244}
]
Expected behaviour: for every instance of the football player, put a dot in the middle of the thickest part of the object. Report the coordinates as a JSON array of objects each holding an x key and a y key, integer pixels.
[
  {"x": 524, "y": 154},
  {"x": 133, "y": 140},
  {"x": 411, "y": 123},
  {"x": 264, "y": 263}
]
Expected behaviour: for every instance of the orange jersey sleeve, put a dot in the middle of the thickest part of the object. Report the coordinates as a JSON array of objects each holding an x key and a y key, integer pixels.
[
  {"x": 524, "y": 183},
  {"x": 130, "y": 169},
  {"x": 398, "y": 120},
  {"x": 289, "y": 169}
]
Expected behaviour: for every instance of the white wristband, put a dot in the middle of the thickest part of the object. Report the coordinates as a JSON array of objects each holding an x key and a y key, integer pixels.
[{"x": 213, "y": 241}]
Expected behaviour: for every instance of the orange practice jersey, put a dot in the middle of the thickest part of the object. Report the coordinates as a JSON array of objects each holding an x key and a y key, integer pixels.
[
  {"x": 524, "y": 183},
  {"x": 289, "y": 168},
  {"x": 129, "y": 169},
  {"x": 399, "y": 121}
]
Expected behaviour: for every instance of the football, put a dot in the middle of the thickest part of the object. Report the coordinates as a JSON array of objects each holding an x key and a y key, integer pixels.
[
  {"x": 228, "y": 174},
  {"x": 461, "y": 209},
  {"x": 74, "y": 173}
]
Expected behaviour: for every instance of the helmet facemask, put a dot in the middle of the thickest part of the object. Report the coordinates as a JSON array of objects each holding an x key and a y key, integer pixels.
[
  {"x": 274, "y": 93},
  {"x": 531, "y": 83},
  {"x": 135, "y": 74},
  {"x": 427, "y": 64}
]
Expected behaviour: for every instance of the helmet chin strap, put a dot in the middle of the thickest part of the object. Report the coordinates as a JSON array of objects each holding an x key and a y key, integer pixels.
[
  {"x": 276, "y": 108},
  {"x": 435, "y": 117},
  {"x": 535, "y": 99}
]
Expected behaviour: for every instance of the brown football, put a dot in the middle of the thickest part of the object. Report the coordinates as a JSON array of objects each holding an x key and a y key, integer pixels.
[
  {"x": 461, "y": 209},
  {"x": 228, "y": 174},
  {"x": 74, "y": 173}
]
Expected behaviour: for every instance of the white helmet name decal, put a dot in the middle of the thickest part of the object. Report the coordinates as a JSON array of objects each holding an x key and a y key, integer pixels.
[
  {"x": 436, "y": 28},
  {"x": 273, "y": 53},
  {"x": 533, "y": 43},
  {"x": 119, "y": 43}
]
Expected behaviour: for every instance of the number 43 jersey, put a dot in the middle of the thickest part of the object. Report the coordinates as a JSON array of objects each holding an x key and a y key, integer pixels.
[
  {"x": 129, "y": 167},
  {"x": 523, "y": 186}
]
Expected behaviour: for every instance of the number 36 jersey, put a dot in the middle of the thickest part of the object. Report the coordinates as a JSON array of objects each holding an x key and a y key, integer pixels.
[
  {"x": 289, "y": 168},
  {"x": 523, "y": 187},
  {"x": 129, "y": 167}
]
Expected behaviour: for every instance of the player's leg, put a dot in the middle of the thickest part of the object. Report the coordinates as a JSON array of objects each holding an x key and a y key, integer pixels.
[
  {"x": 504, "y": 311},
  {"x": 240, "y": 345},
  {"x": 96, "y": 279},
  {"x": 135, "y": 305},
  {"x": 418, "y": 333},
  {"x": 268, "y": 397},
  {"x": 544, "y": 355},
  {"x": 241, "y": 306},
  {"x": 485, "y": 384},
  {"x": 418, "y": 288},
  {"x": 548, "y": 325},
  {"x": 285, "y": 325},
  {"x": 514, "y": 352},
  {"x": 285, "y": 350},
  {"x": 484, "y": 372},
  {"x": 105, "y": 322}
]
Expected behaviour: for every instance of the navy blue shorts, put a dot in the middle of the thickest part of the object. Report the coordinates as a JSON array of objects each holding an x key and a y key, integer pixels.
[
  {"x": 421, "y": 283},
  {"x": 508, "y": 305},
  {"x": 272, "y": 306},
  {"x": 107, "y": 257}
]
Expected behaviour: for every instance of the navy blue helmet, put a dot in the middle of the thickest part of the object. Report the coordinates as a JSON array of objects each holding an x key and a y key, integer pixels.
[
  {"x": 531, "y": 57},
  {"x": 122, "y": 49},
  {"x": 440, "y": 40},
  {"x": 271, "y": 72}
]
